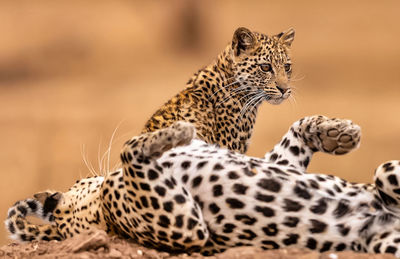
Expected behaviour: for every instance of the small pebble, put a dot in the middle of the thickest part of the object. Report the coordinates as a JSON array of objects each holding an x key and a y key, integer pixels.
[{"x": 114, "y": 253}]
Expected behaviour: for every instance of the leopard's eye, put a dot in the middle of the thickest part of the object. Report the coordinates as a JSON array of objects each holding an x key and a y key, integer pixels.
[
  {"x": 288, "y": 67},
  {"x": 266, "y": 67}
]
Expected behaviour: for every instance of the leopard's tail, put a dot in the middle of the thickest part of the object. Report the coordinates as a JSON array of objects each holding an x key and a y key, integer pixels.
[{"x": 42, "y": 206}]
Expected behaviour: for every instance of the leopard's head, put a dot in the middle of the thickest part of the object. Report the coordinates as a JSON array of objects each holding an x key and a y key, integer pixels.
[{"x": 261, "y": 64}]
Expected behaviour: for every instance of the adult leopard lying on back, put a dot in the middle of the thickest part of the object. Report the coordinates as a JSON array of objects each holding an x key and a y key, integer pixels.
[
  {"x": 179, "y": 194},
  {"x": 221, "y": 100}
]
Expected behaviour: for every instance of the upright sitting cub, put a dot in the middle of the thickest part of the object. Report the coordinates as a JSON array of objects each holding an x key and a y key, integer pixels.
[{"x": 221, "y": 100}]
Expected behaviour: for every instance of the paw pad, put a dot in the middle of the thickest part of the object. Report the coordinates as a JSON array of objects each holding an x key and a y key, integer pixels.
[{"x": 334, "y": 136}]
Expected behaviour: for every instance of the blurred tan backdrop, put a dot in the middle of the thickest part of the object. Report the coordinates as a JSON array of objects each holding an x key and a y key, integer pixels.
[{"x": 71, "y": 72}]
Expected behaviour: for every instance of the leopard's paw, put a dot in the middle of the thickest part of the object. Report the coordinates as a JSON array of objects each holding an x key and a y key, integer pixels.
[
  {"x": 333, "y": 136},
  {"x": 178, "y": 134}
]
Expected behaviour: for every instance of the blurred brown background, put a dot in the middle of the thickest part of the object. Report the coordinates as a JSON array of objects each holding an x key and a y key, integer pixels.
[{"x": 71, "y": 72}]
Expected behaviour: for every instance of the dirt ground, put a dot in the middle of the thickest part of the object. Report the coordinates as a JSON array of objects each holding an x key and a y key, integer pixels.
[
  {"x": 72, "y": 73},
  {"x": 99, "y": 245}
]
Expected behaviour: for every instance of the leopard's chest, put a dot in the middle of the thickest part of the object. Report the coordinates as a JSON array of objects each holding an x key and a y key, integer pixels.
[{"x": 233, "y": 128}]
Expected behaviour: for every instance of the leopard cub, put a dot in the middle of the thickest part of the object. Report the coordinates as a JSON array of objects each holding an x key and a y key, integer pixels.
[{"x": 221, "y": 100}]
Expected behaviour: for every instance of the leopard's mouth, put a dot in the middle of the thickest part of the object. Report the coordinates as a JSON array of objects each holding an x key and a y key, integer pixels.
[{"x": 276, "y": 95}]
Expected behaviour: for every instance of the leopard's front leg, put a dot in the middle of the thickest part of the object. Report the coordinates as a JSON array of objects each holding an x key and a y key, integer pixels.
[
  {"x": 145, "y": 202},
  {"x": 312, "y": 134}
]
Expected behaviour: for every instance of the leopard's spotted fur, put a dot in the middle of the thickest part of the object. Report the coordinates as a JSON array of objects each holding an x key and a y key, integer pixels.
[{"x": 198, "y": 197}]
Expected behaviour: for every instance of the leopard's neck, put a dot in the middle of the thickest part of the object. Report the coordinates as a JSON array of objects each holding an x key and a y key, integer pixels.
[{"x": 234, "y": 113}]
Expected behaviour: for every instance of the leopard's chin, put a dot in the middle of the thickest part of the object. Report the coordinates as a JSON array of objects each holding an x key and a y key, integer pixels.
[{"x": 276, "y": 100}]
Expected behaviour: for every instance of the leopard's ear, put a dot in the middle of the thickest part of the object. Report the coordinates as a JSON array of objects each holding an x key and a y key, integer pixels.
[
  {"x": 286, "y": 37},
  {"x": 243, "y": 40}
]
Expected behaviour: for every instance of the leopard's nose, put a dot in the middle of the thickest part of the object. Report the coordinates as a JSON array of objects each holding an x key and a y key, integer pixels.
[{"x": 282, "y": 90}]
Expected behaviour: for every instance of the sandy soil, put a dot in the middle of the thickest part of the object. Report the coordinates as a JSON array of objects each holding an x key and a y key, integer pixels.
[
  {"x": 99, "y": 245},
  {"x": 73, "y": 72}
]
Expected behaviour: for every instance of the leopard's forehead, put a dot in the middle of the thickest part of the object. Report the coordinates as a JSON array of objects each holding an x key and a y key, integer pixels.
[{"x": 271, "y": 50}]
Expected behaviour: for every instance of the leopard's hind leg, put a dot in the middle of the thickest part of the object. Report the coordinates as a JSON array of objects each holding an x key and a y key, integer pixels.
[
  {"x": 387, "y": 182},
  {"x": 386, "y": 236},
  {"x": 385, "y": 242},
  {"x": 145, "y": 202},
  {"x": 311, "y": 134}
]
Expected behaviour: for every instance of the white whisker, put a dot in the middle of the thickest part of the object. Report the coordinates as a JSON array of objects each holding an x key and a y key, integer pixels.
[
  {"x": 254, "y": 99},
  {"x": 296, "y": 78},
  {"x": 228, "y": 97},
  {"x": 100, "y": 159},
  {"x": 260, "y": 99},
  {"x": 110, "y": 145},
  {"x": 223, "y": 87},
  {"x": 233, "y": 94},
  {"x": 86, "y": 161},
  {"x": 249, "y": 94}
]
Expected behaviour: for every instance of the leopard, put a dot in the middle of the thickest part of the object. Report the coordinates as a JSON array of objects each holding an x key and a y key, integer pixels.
[
  {"x": 178, "y": 193},
  {"x": 222, "y": 99}
]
